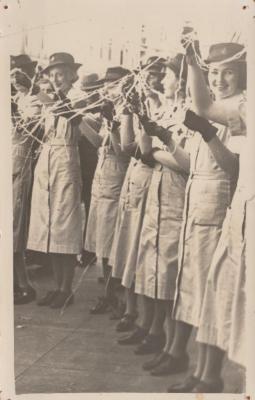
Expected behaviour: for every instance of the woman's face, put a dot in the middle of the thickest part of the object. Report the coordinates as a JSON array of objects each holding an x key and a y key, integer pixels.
[
  {"x": 223, "y": 79},
  {"x": 112, "y": 90},
  {"x": 47, "y": 88},
  {"x": 92, "y": 98},
  {"x": 61, "y": 78},
  {"x": 170, "y": 83},
  {"x": 153, "y": 82},
  {"x": 20, "y": 81}
]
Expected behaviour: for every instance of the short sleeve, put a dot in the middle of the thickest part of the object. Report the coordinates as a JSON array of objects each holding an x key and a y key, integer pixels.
[
  {"x": 236, "y": 143},
  {"x": 237, "y": 118}
]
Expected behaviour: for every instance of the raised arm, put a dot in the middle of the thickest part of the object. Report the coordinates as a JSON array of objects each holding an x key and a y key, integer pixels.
[
  {"x": 115, "y": 139},
  {"x": 127, "y": 134},
  {"x": 90, "y": 130},
  {"x": 177, "y": 158},
  {"x": 225, "y": 158},
  {"x": 170, "y": 161},
  {"x": 203, "y": 104}
]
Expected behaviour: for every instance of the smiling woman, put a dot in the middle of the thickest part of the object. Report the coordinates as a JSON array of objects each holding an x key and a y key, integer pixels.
[
  {"x": 209, "y": 192},
  {"x": 55, "y": 222},
  {"x": 163, "y": 179}
]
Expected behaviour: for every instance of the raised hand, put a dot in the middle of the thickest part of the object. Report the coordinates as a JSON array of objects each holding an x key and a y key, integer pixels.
[
  {"x": 201, "y": 125},
  {"x": 64, "y": 109},
  {"x": 190, "y": 44},
  {"x": 153, "y": 129},
  {"x": 107, "y": 110}
]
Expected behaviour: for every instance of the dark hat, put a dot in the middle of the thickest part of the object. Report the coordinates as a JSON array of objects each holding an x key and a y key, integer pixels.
[
  {"x": 90, "y": 82},
  {"x": 61, "y": 59},
  {"x": 175, "y": 64},
  {"x": 155, "y": 65},
  {"x": 222, "y": 51},
  {"x": 113, "y": 74},
  {"x": 23, "y": 62}
]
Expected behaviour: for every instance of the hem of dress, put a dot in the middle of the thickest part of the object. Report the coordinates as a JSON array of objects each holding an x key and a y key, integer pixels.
[
  {"x": 117, "y": 271},
  {"x": 184, "y": 317},
  {"x": 127, "y": 283},
  {"x": 54, "y": 250},
  {"x": 151, "y": 293},
  {"x": 102, "y": 255},
  {"x": 91, "y": 249},
  {"x": 114, "y": 275},
  {"x": 209, "y": 335}
]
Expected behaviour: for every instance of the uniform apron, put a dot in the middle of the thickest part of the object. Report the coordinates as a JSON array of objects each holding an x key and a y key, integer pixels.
[
  {"x": 56, "y": 215},
  {"x": 237, "y": 351},
  {"x": 131, "y": 214},
  {"x": 222, "y": 321},
  {"x": 21, "y": 186},
  {"x": 157, "y": 260},
  {"x": 22, "y": 163},
  {"x": 208, "y": 195},
  {"x": 133, "y": 203},
  {"x": 117, "y": 253},
  {"x": 106, "y": 188}
]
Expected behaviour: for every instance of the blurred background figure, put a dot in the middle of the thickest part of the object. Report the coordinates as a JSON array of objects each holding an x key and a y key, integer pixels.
[
  {"x": 88, "y": 152},
  {"x": 24, "y": 109}
]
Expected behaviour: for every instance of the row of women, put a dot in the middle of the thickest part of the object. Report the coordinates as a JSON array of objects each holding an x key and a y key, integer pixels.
[{"x": 168, "y": 208}]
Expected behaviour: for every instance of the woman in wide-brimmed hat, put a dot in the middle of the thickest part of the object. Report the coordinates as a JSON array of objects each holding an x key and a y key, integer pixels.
[
  {"x": 88, "y": 152},
  {"x": 214, "y": 171},
  {"x": 56, "y": 218},
  {"x": 153, "y": 73},
  {"x": 107, "y": 183},
  {"x": 24, "y": 110},
  {"x": 156, "y": 269},
  {"x": 132, "y": 201}
]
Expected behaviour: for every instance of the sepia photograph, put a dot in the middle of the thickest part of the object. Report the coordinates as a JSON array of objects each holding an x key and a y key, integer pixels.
[{"x": 127, "y": 199}]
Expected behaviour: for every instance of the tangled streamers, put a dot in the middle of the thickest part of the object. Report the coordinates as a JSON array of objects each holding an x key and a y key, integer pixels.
[{"x": 29, "y": 120}]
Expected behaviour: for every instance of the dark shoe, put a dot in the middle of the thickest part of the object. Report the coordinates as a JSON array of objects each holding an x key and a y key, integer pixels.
[
  {"x": 134, "y": 338},
  {"x": 118, "y": 311},
  {"x": 151, "y": 344},
  {"x": 62, "y": 299},
  {"x": 126, "y": 323},
  {"x": 158, "y": 359},
  {"x": 87, "y": 258},
  {"x": 101, "y": 307},
  {"x": 25, "y": 296},
  {"x": 213, "y": 387},
  {"x": 172, "y": 365},
  {"x": 48, "y": 298},
  {"x": 101, "y": 280},
  {"x": 185, "y": 387}
]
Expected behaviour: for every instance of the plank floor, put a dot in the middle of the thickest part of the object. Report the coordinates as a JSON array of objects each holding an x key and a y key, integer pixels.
[{"x": 78, "y": 352}]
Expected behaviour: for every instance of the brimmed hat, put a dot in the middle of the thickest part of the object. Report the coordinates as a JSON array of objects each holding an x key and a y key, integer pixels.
[
  {"x": 175, "y": 65},
  {"x": 57, "y": 59},
  {"x": 155, "y": 65},
  {"x": 113, "y": 74},
  {"x": 90, "y": 82},
  {"x": 222, "y": 51},
  {"x": 23, "y": 62}
]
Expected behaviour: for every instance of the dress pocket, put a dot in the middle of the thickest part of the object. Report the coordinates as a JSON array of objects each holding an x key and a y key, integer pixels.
[
  {"x": 136, "y": 194},
  {"x": 210, "y": 214}
]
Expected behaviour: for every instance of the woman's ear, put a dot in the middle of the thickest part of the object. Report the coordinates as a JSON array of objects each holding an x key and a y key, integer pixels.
[
  {"x": 242, "y": 82},
  {"x": 72, "y": 75}
]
